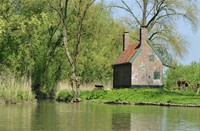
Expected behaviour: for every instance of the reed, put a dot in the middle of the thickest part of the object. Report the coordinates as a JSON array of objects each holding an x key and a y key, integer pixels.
[{"x": 14, "y": 90}]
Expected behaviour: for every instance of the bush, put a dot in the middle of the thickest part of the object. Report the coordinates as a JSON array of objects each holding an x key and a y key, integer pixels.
[
  {"x": 189, "y": 73},
  {"x": 64, "y": 95}
]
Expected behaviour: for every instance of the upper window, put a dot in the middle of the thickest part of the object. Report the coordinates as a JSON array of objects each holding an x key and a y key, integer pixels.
[
  {"x": 156, "y": 75},
  {"x": 151, "y": 58}
]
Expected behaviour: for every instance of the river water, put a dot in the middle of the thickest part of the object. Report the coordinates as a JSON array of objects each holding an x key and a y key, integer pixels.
[{"x": 53, "y": 116}]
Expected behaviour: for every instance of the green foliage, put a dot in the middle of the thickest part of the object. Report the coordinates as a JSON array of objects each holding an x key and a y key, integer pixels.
[
  {"x": 28, "y": 43},
  {"x": 64, "y": 95},
  {"x": 98, "y": 45},
  {"x": 188, "y": 72},
  {"x": 31, "y": 43}
]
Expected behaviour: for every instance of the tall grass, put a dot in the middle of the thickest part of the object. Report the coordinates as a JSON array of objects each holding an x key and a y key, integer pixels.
[{"x": 14, "y": 90}]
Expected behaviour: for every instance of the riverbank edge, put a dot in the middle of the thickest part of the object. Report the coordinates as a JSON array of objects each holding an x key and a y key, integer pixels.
[
  {"x": 6, "y": 102},
  {"x": 133, "y": 103},
  {"x": 2, "y": 102},
  {"x": 142, "y": 96},
  {"x": 152, "y": 104}
]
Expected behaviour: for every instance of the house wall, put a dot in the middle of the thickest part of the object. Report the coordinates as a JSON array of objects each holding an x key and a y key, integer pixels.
[
  {"x": 122, "y": 75},
  {"x": 143, "y": 69}
]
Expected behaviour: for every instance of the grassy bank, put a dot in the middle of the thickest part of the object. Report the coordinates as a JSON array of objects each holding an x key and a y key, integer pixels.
[
  {"x": 15, "y": 91},
  {"x": 135, "y": 96}
]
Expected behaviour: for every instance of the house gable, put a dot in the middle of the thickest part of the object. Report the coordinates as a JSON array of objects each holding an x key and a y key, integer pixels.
[
  {"x": 147, "y": 68},
  {"x": 133, "y": 50},
  {"x": 154, "y": 50}
]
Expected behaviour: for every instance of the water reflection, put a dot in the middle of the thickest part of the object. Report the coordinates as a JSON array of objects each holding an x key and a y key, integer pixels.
[
  {"x": 51, "y": 116},
  {"x": 16, "y": 117},
  {"x": 84, "y": 117},
  {"x": 72, "y": 117},
  {"x": 148, "y": 118},
  {"x": 43, "y": 117}
]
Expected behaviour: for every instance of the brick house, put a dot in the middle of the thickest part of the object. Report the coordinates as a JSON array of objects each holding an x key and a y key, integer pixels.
[{"x": 139, "y": 65}]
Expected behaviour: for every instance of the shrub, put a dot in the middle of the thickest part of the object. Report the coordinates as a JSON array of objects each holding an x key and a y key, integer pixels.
[
  {"x": 64, "y": 95},
  {"x": 189, "y": 73}
]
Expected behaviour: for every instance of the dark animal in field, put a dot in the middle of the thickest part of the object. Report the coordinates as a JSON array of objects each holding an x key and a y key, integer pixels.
[
  {"x": 186, "y": 84},
  {"x": 182, "y": 84},
  {"x": 196, "y": 88}
]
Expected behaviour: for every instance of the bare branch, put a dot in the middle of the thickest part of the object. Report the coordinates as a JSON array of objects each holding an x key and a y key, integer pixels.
[
  {"x": 154, "y": 5},
  {"x": 158, "y": 10},
  {"x": 167, "y": 15},
  {"x": 156, "y": 33},
  {"x": 80, "y": 26},
  {"x": 54, "y": 8},
  {"x": 139, "y": 4},
  {"x": 65, "y": 9},
  {"x": 128, "y": 8}
]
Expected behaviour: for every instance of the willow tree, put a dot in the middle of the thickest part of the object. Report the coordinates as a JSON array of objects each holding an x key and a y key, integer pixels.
[
  {"x": 72, "y": 49},
  {"x": 160, "y": 17},
  {"x": 18, "y": 37}
]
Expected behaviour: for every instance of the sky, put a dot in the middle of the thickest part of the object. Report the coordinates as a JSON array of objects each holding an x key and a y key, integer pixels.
[{"x": 193, "y": 37}]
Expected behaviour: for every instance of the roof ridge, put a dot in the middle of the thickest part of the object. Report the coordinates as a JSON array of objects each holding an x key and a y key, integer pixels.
[{"x": 127, "y": 54}]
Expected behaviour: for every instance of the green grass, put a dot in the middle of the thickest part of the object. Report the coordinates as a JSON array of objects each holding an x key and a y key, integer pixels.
[{"x": 141, "y": 95}]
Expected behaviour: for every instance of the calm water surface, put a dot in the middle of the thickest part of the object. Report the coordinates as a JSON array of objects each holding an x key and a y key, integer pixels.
[{"x": 52, "y": 116}]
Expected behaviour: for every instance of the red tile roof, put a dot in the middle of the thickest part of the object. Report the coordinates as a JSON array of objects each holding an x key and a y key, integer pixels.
[{"x": 127, "y": 54}]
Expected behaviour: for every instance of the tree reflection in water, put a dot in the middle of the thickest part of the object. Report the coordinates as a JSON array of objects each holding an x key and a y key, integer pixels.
[{"x": 53, "y": 116}]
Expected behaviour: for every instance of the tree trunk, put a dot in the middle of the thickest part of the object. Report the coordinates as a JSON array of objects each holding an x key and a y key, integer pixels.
[
  {"x": 74, "y": 79},
  {"x": 68, "y": 55},
  {"x": 144, "y": 16},
  {"x": 62, "y": 11}
]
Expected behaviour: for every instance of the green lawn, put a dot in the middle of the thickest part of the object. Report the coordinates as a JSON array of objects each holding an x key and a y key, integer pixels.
[{"x": 141, "y": 95}]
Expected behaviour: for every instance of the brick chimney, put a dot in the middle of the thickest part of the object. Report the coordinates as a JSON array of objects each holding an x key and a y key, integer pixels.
[
  {"x": 143, "y": 35},
  {"x": 126, "y": 40}
]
